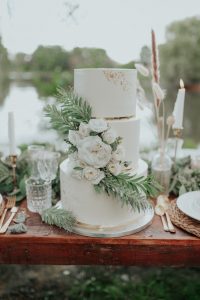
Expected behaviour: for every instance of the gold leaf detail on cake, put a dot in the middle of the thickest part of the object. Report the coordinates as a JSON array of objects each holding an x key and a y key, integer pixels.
[{"x": 117, "y": 78}]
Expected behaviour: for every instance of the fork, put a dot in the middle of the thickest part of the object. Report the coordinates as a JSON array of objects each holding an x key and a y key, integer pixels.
[
  {"x": 5, "y": 226},
  {"x": 10, "y": 203}
]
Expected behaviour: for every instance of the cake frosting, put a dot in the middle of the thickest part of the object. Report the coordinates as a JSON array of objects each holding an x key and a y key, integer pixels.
[
  {"x": 89, "y": 207},
  {"x": 110, "y": 92},
  {"x": 112, "y": 95}
]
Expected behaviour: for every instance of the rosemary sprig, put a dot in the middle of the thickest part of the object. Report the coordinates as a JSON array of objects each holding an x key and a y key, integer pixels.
[
  {"x": 71, "y": 112},
  {"x": 129, "y": 189},
  {"x": 59, "y": 217}
]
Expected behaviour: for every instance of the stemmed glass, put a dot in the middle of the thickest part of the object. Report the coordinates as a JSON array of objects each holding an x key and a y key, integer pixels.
[
  {"x": 47, "y": 164},
  {"x": 44, "y": 166}
]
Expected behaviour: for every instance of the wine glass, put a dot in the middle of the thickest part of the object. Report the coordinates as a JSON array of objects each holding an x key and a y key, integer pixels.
[
  {"x": 34, "y": 153},
  {"x": 47, "y": 164}
]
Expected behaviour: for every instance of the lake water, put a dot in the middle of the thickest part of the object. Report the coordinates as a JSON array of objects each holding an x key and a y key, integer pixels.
[{"x": 31, "y": 124}]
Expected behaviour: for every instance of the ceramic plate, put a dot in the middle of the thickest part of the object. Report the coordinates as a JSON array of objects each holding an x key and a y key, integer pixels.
[{"x": 189, "y": 204}]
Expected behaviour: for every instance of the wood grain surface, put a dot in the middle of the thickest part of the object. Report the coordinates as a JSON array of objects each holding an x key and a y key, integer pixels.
[{"x": 44, "y": 244}]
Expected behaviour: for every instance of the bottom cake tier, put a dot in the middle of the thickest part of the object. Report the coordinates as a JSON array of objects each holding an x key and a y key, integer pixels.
[{"x": 91, "y": 208}]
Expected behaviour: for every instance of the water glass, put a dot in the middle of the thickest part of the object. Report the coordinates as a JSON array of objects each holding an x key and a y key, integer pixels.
[
  {"x": 39, "y": 194},
  {"x": 34, "y": 152}
]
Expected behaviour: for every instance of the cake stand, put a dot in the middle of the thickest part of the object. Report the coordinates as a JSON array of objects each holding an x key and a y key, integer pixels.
[{"x": 143, "y": 220}]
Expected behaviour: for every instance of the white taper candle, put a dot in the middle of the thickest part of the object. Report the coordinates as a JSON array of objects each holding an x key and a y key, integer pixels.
[
  {"x": 179, "y": 107},
  {"x": 11, "y": 133}
]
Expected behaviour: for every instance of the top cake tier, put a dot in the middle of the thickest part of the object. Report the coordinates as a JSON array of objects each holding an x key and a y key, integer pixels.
[{"x": 110, "y": 92}]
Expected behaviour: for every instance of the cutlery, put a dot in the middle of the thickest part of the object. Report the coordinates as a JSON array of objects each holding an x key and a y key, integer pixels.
[
  {"x": 161, "y": 212},
  {"x": 10, "y": 203},
  {"x": 169, "y": 223},
  {"x": 5, "y": 226}
]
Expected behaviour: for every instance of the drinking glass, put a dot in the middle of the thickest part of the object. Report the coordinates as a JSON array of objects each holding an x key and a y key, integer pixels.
[
  {"x": 38, "y": 195},
  {"x": 47, "y": 164},
  {"x": 34, "y": 152}
]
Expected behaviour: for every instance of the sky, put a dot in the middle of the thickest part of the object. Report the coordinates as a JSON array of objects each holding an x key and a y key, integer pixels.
[{"x": 121, "y": 27}]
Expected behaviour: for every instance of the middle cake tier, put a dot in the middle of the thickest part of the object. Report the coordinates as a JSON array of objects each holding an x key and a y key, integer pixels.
[{"x": 129, "y": 130}]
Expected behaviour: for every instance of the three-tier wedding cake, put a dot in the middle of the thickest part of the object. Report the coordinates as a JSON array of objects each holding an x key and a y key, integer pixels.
[{"x": 112, "y": 96}]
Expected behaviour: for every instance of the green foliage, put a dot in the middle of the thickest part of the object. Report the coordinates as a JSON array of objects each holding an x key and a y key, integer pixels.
[
  {"x": 129, "y": 189},
  {"x": 180, "y": 55},
  {"x": 59, "y": 217},
  {"x": 22, "y": 172},
  {"x": 72, "y": 111},
  {"x": 53, "y": 58},
  {"x": 184, "y": 179}
]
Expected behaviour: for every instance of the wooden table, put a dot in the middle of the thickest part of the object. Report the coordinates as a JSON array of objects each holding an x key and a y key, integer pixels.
[{"x": 44, "y": 244}]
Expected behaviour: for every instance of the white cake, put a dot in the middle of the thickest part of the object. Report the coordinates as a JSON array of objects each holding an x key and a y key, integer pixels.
[{"x": 112, "y": 96}]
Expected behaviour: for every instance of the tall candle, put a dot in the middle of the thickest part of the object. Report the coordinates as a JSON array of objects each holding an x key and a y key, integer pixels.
[
  {"x": 179, "y": 107},
  {"x": 11, "y": 133}
]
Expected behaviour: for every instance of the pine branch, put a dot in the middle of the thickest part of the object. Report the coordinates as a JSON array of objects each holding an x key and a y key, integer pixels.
[
  {"x": 71, "y": 112},
  {"x": 129, "y": 189},
  {"x": 59, "y": 217}
]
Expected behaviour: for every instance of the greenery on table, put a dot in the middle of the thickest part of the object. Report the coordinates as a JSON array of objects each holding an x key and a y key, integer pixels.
[
  {"x": 22, "y": 172},
  {"x": 184, "y": 178},
  {"x": 59, "y": 217}
]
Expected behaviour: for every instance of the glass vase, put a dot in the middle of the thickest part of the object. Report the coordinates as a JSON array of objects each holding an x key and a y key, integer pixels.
[{"x": 161, "y": 169}]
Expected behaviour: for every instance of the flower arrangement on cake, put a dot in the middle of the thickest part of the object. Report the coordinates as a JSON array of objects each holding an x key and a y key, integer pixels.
[{"x": 96, "y": 152}]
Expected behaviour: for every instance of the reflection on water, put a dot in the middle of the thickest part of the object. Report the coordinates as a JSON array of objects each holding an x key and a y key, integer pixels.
[
  {"x": 29, "y": 116},
  {"x": 31, "y": 125}
]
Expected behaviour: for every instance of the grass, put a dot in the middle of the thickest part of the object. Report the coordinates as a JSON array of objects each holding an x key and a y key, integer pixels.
[{"x": 98, "y": 283}]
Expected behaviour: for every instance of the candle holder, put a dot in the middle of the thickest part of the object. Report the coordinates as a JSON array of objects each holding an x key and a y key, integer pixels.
[
  {"x": 177, "y": 134},
  {"x": 13, "y": 160}
]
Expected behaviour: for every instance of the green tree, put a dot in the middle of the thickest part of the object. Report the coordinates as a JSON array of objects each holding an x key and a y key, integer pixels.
[
  {"x": 53, "y": 59},
  {"x": 180, "y": 56},
  {"x": 4, "y": 72},
  {"x": 90, "y": 58}
]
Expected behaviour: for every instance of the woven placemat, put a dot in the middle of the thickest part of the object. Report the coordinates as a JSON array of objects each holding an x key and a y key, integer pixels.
[{"x": 181, "y": 220}]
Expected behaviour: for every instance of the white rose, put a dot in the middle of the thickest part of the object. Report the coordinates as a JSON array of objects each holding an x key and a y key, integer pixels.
[
  {"x": 94, "y": 152},
  {"x": 99, "y": 177},
  {"x": 84, "y": 130},
  {"x": 119, "y": 153},
  {"x": 109, "y": 136},
  {"x": 74, "y": 137},
  {"x": 114, "y": 168},
  {"x": 98, "y": 125},
  {"x": 93, "y": 175},
  {"x": 90, "y": 173}
]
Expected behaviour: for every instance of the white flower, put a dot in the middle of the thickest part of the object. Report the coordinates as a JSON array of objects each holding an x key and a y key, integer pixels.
[
  {"x": 74, "y": 137},
  {"x": 100, "y": 176},
  {"x": 109, "y": 136},
  {"x": 84, "y": 130},
  {"x": 160, "y": 94},
  {"x": 119, "y": 153},
  {"x": 142, "y": 70},
  {"x": 94, "y": 152},
  {"x": 115, "y": 168},
  {"x": 98, "y": 125},
  {"x": 78, "y": 174},
  {"x": 93, "y": 175}
]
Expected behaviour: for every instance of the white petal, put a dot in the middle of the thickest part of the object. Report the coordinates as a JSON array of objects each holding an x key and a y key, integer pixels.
[
  {"x": 160, "y": 94},
  {"x": 142, "y": 70}
]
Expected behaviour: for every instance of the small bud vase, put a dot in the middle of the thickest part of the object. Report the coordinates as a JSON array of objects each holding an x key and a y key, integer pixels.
[{"x": 161, "y": 169}]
